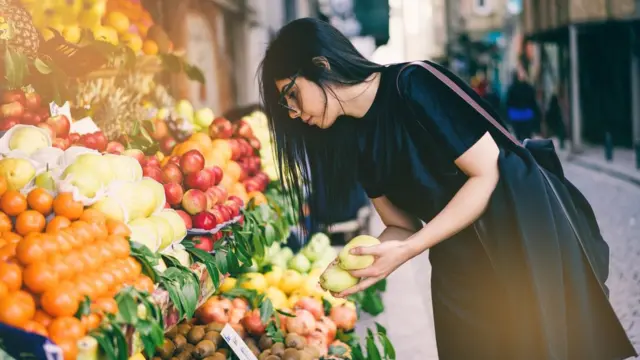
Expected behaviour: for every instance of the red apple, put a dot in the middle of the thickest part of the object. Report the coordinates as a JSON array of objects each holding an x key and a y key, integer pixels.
[
  {"x": 255, "y": 143},
  {"x": 220, "y": 128},
  {"x": 204, "y": 220},
  {"x": 167, "y": 205},
  {"x": 114, "y": 147},
  {"x": 135, "y": 153},
  {"x": 60, "y": 124},
  {"x": 167, "y": 144},
  {"x": 29, "y": 118},
  {"x": 217, "y": 214},
  {"x": 222, "y": 194},
  {"x": 151, "y": 161},
  {"x": 194, "y": 201},
  {"x": 192, "y": 161},
  {"x": 251, "y": 321},
  {"x": 203, "y": 243},
  {"x": 101, "y": 141},
  {"x": 218, "y": 173},
  {"x": 171, "y": 174},
  {"x": 8, "y": 123},
  {"x": 212, "y": 173},
  {"x": 251, "y": 185},
  {"x": 32, "y": 100},
  {"x": 217, "y": 236},
  {"x": 200, "y": 180},
  {"x": 49, "y": 129},
  {"x": 10, "y": 96},
  {"x": 237, "y": 200},
  {"x": 74, "y": 138},
  {"x": 244, "y": 129},
  {"x": 344, "y": 317},
  {"x": 12, "y": 109},
  {"x": 61, "y": 143},
  {"x": 153, "y": 172},
  {"x": 43, "y": 112},
  {"x": 174, "y": 159},
  {"x": 186, "y": 218},
  {"x": 233, "y": 206},
  {"x": 225, "y": 214},
  {"x": 173, "y": 193}
]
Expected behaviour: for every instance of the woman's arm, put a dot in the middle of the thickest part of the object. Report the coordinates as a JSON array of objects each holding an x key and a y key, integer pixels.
[{"x": 480, "y": 164}]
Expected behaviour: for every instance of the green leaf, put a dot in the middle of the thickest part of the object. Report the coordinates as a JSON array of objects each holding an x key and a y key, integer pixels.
[
  {"x": 171, "y": 62},
  {"x": 273, "y": 331},
  {"x": 127, "y": 308},
  {"x": 258, "y": 247},
  {"x": 380, "y": 285},
  {"x": 104, "y": 342},
  {"x": 338, "y": 350},
  {"x": 270, "y": 234},
  {"x": 373, "y": 353},
  {"x": 266, "y": 311},
  {"x": 389, "y": 350},
  {"x": 326, "y": 305},
  {"x": 146, "y": 258},
  {"x": 221, "y": 261},
  {"x": 194, "y": 73},
  {"x": 84, "y": 308},
  {"x": 381, "y": 329},
  {"x": 42, "y": 66},
  {"x": 145, "y": 134},
  {"x": 121, "y": 343},
  {"x": 285, "y": 313},
  {"x": 205, "y": 258},
  {"x": 356, "y": 353},
  {"x": 372, "y": 303}
]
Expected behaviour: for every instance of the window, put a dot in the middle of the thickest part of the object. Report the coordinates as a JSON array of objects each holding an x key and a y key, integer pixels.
[{"x": 482, "y": 7}]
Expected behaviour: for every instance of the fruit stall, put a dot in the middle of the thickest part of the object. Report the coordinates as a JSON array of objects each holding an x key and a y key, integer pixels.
[{"x": 133, "y": 225}]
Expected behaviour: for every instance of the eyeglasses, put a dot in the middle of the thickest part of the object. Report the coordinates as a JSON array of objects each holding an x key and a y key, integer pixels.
[{"x": 286, "y": 93}]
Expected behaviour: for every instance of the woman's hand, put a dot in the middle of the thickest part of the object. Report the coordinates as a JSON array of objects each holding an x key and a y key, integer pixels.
[{"x": 388, "y": 255}]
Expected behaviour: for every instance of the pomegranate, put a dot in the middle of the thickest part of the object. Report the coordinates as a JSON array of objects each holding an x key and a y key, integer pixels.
[
  {"x": 344, "y": 317},
  {"x": 327, "y": 327},
  {"x": 317, "y": 340},
  {"x": 302, "y": 324},
  {"x": 311, "y": 305},
  {"x": 239, "y": 303},
  {"x": 236, "y": 315},
  {"x": 212, "y": 311},
  {"x": 251, "y": 321}
]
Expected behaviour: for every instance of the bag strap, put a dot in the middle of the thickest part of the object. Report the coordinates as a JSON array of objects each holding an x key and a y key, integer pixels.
[{"x": 463, "y": 94}]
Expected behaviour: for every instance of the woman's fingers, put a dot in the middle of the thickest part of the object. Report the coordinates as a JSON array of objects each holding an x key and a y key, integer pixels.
[
  {"x": 366, "y": 250},
  {"x": 358, "y": 287}
]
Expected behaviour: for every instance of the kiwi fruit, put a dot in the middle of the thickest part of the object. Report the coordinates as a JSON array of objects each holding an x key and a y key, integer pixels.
[
  {"x": 195, "y": 334},
  {"x": 204, "y": 348},
  {"x": 291, "y": 354},
  {"x": 305, "y": 355},
  {"x": 184, "y": 329},
  {"x": 166, "y": 350},
  {"x": 265, "y": 342},
  {"x": 263, "y": 355},
  {"x": 213, "y": 336},
  {"x": 179, "y": 341},
  {"x": 172, "y": 332},
  {"x": 218, "y": 356},
  {"x": 313, "y": 351},
  {"x": 295, "y": 341},
  {"x": 185, "y": 354},
  {"x": 277, "y": 349},
  {"x": 215, "y": 326},
  {"x": 254, "y": 349}
]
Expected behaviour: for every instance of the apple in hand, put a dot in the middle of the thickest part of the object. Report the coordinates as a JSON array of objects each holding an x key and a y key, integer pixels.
[{"x": 60, "y": 124}]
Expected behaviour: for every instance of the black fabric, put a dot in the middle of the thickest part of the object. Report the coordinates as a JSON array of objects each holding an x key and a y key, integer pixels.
[{"x": 517, "y": 284}]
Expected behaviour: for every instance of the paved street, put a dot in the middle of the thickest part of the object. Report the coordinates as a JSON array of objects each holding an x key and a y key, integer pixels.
[{"x": 408, "y": 315}]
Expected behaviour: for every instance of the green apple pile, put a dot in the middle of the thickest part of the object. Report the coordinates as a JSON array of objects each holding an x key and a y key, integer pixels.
[
  {"x": 337, "y": 277},
  {"x": 200, "y": 119}
]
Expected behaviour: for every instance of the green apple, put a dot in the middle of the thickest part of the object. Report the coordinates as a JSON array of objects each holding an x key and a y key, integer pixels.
[
  {"x": 28, "y": 139},
  {"x": 17, "y": 172},
  {"x": 337, "y": 280},
  {"x": 348, "y": 261},
  {"x": 185, "y": 109},
  {"x": 299, "y": 263},
  {"x": 204, "y": 117},
  {"x": 286, "y": 253},
  {"x": 320, "y": 241}
]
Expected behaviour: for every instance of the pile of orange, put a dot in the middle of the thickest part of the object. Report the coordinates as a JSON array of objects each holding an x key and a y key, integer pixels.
[{"x": 47, "y": 269}]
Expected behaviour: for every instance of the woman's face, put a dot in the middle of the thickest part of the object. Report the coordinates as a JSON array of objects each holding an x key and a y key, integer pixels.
[{"x": 306, "y": 101}]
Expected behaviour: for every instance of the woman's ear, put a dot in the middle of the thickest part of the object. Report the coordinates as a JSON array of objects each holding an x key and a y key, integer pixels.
[{"x": 321, "y": 61}]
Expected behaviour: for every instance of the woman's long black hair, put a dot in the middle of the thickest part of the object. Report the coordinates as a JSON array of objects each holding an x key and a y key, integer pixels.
[{"x": 313, "y": 164}]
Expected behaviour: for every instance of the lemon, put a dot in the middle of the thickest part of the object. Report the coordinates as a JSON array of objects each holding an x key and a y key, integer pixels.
[
  {"x": 254, "y": 281},
  {"x": 72, "y": 33},
  {"x": 277, "y": 297},
  {"x": 291, "y": 302},
  {"x": 118, "y": 21},
  {"x": 291, "y": 280},
  {"x": 228, "y": 284},
  {"x": 149, "y": 47},
  {"x": 274, "y": 276}
]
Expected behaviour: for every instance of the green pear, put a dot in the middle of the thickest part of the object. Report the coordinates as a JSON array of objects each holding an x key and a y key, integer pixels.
[
  {"x": 45, "y": 180},
  {"x": 86, "y": 181},
  {"x": 164, "y": 230},
  {"x": 348, "y": 261},
  {"x": 336, "y": 279},
  {"x": 286, "y": 253},
  {"x": 17, "y": 172},
  {"x": 300, "y": 263},
  {"x": 29, "y": 139},
  {"x": 145, "y": 232},
  {"x": 178, "y": 227}
]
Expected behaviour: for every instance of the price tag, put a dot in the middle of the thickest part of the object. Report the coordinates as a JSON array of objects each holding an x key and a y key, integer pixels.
[{"x": 236, "y": 343}]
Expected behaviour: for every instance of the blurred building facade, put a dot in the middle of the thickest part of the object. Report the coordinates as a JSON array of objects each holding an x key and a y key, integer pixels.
[{"x": 588, "y": 53}]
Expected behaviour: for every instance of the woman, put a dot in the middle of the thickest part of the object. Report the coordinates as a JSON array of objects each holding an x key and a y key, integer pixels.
[
  {"x": 510, "y": 279},
  {"x": 522, "y": 107}
]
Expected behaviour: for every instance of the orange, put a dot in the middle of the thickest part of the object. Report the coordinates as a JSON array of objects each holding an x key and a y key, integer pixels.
[
  {"x": 5, "y": 222},
  {"x": 60, "y": 301},
  {"x": 91, "y": 321},
  {"x": 11, "y": 237},
  {"x": 58, "y": 223},
  {"x": 65, "y": 205},
  {"x": 62, "y": 241},
  {"x": 117, "y": 227},
  {"x": 8, "y": 252},
  {"x": 40, "y": 200},
  {"x": 60, "y": 267},
  {"x": 83, "y": 230},
  {"x": 108, "y": 278},
  {"x": 233, "y": 170},
  {"x": 4, "y": 290},
  {"x": 49, "y": 243},
  {"x": 144, "y": 283},
  {"x": 105, "y": 305},
  {"x": 11, "y": 276},
  {"x": 149, "y": 47},
  {"x": 258, "y": 197},
  {"x": 69, "y": 348},
  {"x": 13, "y": 203},
  {"x": 36, "y": 328},
  {"x": 69, "y": 234},
  {"x": 3, "y": 185},
  {"x": 75, "y": 261},
  {"x": 66, "y": 328},
  {"x": 134, "y": 265},
  {"x": 119, "y": 246},
  {"x": 42, "y": 318},
  {"x": 17, "y": 309},
  {"x": 99, "y": 286},
  {"x": 85, "y": 287},
  {"x": 39, "y": 277},
  {"x": 30, "y": 221},
  {"x": 93, "y": 216},
  {"x": 31, "y": 250},
  {"x": 91, "y": 257}
]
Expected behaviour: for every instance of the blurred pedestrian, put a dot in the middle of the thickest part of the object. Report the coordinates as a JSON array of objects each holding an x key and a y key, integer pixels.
[
  {"x": 554, "y": 119},
  {"x": 523, "y": 111}
]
